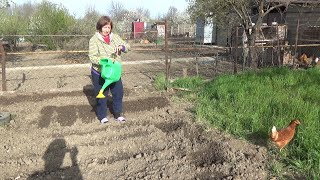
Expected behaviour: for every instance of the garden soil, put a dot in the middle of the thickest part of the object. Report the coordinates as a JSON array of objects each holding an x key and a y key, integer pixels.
[{"x": 54, "y": 134}]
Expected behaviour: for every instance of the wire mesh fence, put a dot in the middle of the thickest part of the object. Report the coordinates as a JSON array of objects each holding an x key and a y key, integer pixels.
[
  {"x": 273, "y": 46},
  {"x": 46, "y": 62}
]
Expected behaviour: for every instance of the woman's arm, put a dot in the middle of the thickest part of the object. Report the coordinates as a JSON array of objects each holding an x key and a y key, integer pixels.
[{"x": 94, "y": 54}]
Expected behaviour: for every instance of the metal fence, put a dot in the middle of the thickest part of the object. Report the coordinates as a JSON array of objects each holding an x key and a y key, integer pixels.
[
  {"x": 274, "y": 48},
  {"x": 47, "y": 62}
]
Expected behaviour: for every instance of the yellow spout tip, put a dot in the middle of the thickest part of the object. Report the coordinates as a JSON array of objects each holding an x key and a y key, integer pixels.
[{"x": 100, "y": 95}]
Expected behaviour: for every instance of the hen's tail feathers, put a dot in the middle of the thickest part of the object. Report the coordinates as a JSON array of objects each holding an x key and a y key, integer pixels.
[{"x": 274, "y": 133}]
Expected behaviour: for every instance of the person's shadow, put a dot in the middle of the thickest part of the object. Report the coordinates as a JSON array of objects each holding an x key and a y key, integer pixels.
[
  {"x": 89, "y": 93},
  {"x": 53, "y": 157}
]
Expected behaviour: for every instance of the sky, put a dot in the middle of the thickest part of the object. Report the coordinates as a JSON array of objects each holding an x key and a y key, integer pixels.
[{"x": 78, "y": 7}]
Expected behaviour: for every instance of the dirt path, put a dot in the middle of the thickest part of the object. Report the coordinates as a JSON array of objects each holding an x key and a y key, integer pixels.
[{"x": 55, "y": 135}]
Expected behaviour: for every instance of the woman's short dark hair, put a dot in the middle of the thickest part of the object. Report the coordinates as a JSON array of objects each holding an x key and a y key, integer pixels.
[{"x": 103, "y": 21}]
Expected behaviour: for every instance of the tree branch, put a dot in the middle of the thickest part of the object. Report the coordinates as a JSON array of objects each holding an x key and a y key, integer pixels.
[{"x": 274, "y": 7}]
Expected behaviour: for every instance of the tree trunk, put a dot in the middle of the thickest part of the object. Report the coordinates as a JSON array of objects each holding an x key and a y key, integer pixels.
[
  {"x": 253, "y": 50},
  {"x": 253, "y": 63},
  {"x": 253, "y": 56}
]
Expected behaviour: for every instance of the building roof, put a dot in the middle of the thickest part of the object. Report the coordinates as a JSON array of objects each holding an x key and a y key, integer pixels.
[{"x": 296, "y": 1}]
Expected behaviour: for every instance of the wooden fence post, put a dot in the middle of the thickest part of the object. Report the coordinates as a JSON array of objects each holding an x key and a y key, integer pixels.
[
  {"x": 278, "y": 47},
  {"x": 166, "y": 51},
  {"x": 185, "y": 72},
  {"x": 3, "y": 69},
  {"x": 235, "y": 61},
  {"x": 296, "y": 39}
]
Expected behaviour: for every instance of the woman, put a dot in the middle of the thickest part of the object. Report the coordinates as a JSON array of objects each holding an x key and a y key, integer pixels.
[{"x": 105, "y": 44}]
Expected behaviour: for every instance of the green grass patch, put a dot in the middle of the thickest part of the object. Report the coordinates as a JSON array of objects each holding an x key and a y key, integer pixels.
[
  {"x": 193, "y": 83},
  {"x": 190, "y": 87},
  {"x": 247, "y": 105}
]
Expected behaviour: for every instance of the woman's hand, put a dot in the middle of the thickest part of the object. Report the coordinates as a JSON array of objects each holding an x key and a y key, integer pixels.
[{"x": 119, "y": 49}]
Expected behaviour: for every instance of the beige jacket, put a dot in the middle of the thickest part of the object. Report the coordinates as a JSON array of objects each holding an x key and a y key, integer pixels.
[{"x": 99, "y": 49}]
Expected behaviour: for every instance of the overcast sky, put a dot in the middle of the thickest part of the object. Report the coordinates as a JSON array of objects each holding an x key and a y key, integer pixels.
[{"x": 78, "y": 7}]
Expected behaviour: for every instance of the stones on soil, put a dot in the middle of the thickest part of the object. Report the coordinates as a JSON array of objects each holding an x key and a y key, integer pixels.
[{"x": 5, "y": 117}]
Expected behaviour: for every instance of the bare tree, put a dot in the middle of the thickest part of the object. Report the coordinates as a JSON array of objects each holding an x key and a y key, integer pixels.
[
  {"x": 86, "y": 25},
  {"x": 117, "y": 11},
  {"x": 26, "y": 9},
  {"x": 5, "y": 3},
  {"x": 142, "y": 14},
  {"x": 172, "y": 14}
]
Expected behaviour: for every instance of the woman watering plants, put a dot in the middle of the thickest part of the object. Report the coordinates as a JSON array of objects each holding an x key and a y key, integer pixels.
[{"x": 104, "y": 44}]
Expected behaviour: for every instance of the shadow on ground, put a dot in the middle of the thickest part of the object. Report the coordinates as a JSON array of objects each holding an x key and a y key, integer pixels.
[
  {"x": 69, "y": 114},
  {"x": 54, "y": 157}
]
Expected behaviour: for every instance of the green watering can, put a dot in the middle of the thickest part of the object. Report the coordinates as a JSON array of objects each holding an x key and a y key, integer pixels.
[{"x": 110, "y": 72}]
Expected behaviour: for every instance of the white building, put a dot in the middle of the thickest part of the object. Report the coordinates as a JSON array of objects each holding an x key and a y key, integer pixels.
[{"x": 206, "y": 33}]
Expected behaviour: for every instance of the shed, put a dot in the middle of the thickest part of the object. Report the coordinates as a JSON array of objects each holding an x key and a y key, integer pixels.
[
  {"x": 160, "y": 27},
  {"x": 206, "y": 33},
  {"x": 302, "y": 19},
  {"x": 137, "y": 29}
]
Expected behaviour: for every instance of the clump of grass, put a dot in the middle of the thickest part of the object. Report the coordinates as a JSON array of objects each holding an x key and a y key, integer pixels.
[
  {"x": 192, "y": 83},
  {"x": 251, "y": 103},
  {"x": 160, "y": 82},
  {"x": 192, "y": 86}
]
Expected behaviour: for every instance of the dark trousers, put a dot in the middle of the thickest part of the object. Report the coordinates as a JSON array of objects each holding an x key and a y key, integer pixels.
[{"x": 116, "y": 89}]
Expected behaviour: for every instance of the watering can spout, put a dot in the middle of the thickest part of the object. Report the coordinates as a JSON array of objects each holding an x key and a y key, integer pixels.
[
  {"x": 106, "y": 84},
  {"x": 100, "y": 94},
  {"x": 110, "y": 72}
]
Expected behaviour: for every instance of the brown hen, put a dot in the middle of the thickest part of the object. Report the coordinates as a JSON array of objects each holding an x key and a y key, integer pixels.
[{"x": 282, "y": 137}]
